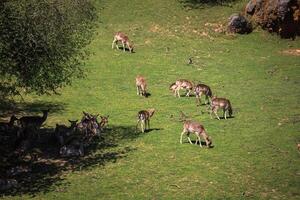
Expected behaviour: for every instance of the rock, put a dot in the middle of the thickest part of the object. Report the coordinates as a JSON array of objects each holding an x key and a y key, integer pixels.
[
  {"x": 239, "y": 24},
  {"x": 280, "y": 16}
]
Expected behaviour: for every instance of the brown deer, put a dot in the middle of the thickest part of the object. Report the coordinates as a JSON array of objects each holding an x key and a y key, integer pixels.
[
  {"x": 62, "y": 131},
  {"x": 198, "y": 129},
  {"x": 141, "y": 85},
  {"x": 33, "y": 122},
  {"x": 5, "y": 126},
  {"x": 223, "y": 103},
  {"x": 121, "y": 37},
  {"x": 103, "y": 123},
  {"x": 183, "y": 84},
  {"x": 190, "y": 126},
  {"x": 144, "y": 118},
  {"x": 201, "y": 89},
  {"x": 173, "y": 88}
]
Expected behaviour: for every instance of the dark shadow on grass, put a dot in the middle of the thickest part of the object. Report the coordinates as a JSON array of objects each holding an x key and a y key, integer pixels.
[
  {"x": 47, "y": 166},
  {"x": 23, "y": 108},
  {"x": 126, "y": 49},
  {"x": 227, "y": 117},
  {"x": 153, "y": 129},
  {"x": 198, "y": 4}
]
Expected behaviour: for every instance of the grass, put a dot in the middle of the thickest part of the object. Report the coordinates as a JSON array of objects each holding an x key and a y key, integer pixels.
[{"x": 254, "y": 154}]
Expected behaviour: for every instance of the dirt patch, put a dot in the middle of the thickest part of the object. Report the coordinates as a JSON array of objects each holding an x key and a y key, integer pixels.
[{"x": 293, "y": 52}]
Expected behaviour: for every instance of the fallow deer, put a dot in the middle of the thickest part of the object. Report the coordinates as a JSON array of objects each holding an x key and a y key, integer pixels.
[
  {"x": 121, "y": 37},
  {"x": 183, "y": 84},
  {"x": 103, "y": 123},
  {"x": 173, "y": 88},
  {"x": 198, "y": 129},
  {"x": 201, "y": 89},
  {"x": 190, "y": 126},
  {"x": 141, "y": 85},
  {"x": 33, "y": 122},
  {"x": 223, "y": 103},
  {"x": 144, "y": 118},
  {"x": 62, "y": 131}
]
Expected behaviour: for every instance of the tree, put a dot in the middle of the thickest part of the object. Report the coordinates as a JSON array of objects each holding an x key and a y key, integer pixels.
[{"x": 42, "y": 44}]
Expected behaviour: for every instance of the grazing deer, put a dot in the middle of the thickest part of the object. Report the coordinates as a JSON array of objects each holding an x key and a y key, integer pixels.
[
  {"x": 141, "y": 85},
  {"x": 173, "y": 88},
  {"x": 183, "y": 84},
  {"x": 223, "y": 103},
  {"x": 62, "y": 131},
  {"x": 5, "y": 126},
  {"x": 201, "y": 89},
  {"x": 198, "y": 129},
  {"x": 119, "y": 36},
  {"x": 34, "y": 122},
  {"x": 144, "y": 118}
]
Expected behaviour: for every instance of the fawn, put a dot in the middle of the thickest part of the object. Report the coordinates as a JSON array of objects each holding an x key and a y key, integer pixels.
[
  {"x": 201, "y": 89},
  {"x": 223, "y": 103},
  {"x": 119, "y": 36},
  {"x": 141, "y": 85},
  {"x": 144, "y": 118}
]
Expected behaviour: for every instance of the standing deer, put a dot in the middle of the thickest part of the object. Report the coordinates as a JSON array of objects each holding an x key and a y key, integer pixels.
[
  {"x": 141, "y": 85},
  {"x": 201, "y": 89},
  {"x": 5, "y": 126},
  {"x": 198, "y": 129},
  {"x": 119, "y": 36},
  {"x": 183, "y": 84},
  {"x": 144, "y": 118},
  {"x": 223, "y": 103},
  {"x": 33, "y": 122}
]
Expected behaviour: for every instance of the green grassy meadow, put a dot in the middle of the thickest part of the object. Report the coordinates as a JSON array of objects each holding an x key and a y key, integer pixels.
[{"x": 255, "y": 153}]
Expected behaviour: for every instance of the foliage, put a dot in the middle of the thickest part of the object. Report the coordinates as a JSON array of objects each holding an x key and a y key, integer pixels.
[{"x": 41, "y": 43}]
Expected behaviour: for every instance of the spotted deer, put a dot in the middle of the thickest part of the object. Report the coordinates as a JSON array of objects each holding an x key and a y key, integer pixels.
[
  {"x": 121, "y": 37},
  {"x": 183, "y": 84},
  {"x": 190, "y": 126},
  {"x": 195, "y": 127},
  {"x": 173, "y": 88},
  {"x": 223, "y": 103},
  {"x": 33, "y": 123},
  {"x": 144, "y": 119},
  {"x": 202, "y": 89},
  {"x": 141, "y": 85},
  {"x": 103, "y": 123}
]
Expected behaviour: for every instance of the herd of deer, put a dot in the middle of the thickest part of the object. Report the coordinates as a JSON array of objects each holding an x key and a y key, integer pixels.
[{"x": 89, "y": 127}]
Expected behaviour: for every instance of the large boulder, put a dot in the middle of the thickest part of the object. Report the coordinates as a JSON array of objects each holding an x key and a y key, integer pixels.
[
  {"x": 239, "y": 24},
  {"x": 280, "y": 16}
]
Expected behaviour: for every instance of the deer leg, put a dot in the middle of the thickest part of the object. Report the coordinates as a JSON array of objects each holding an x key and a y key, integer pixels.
[
  {"x": 224, "y": 111},
  {"x": 198, "y": 136},
  {"x": 143, "y": 126},
  {"x": 123, "y": 46},
  {"x": 215, "y": 111},
  {"x": 188, "y": 136},
  {"x": 113, "y": 44},
  {"x": 183, "y": 132},
  {"x": 149, "y": 124},
  {"x": 206, "y": 99},
  {"x": 137, "y": 90},
  {"x": 137, "y": 125}
]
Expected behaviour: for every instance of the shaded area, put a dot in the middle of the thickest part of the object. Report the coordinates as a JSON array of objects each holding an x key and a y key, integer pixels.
[
  {"x": 40, "y": 167},
  {"x": 197, "y": 4},
  {"x": 8, "y": 108}
]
